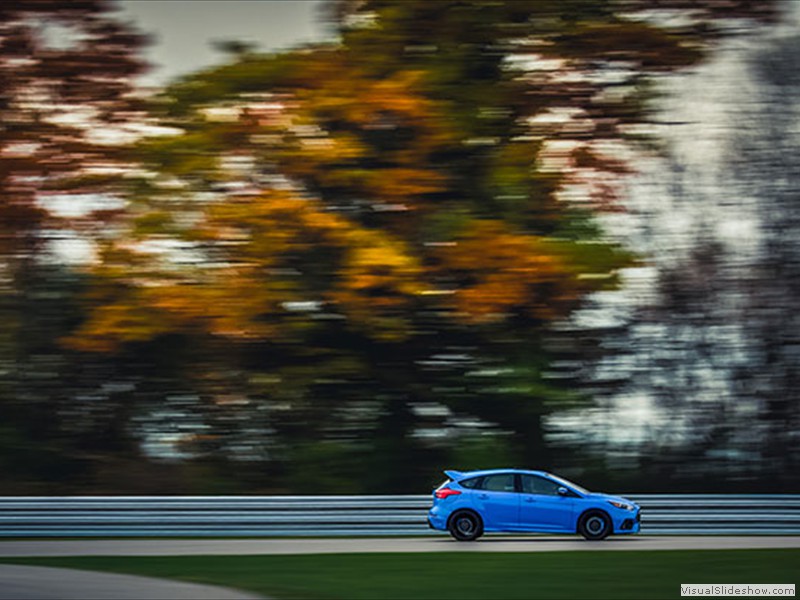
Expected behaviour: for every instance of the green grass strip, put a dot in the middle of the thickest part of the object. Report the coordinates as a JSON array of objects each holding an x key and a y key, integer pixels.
[{"x": 460, "y": 575}]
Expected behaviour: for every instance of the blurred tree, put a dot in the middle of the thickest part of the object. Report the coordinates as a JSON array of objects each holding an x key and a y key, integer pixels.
[
  {"x": 366, "y": 243},
  {"x": 66, "y": 82},
  {"x": 66, "y": 71},
  {"x": 708, "y": 348},
  {"x": 768, "y": 168}
]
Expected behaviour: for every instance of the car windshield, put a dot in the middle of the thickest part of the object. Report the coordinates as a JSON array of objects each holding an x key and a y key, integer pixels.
[{"x": 568, "y": 483}]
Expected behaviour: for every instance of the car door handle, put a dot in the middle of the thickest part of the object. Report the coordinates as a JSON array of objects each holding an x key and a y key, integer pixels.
[
  {"x": 483, "y": 496},
  {"x": 530, "y": 499}
]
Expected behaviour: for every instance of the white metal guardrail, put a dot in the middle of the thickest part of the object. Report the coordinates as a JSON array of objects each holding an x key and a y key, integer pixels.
[{"x": 216, "y": 516}]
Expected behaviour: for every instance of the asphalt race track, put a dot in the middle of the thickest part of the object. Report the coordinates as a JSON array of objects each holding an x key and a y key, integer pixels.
[{"x": 489, "y": 543}]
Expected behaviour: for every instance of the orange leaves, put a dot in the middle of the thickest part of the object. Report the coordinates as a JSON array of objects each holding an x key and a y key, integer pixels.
[
  {"x": 317, "y": 195},
  {"x": 402, "y": 184},
  {"x": 365, "y": 274},
  {"x": 114, "y": 324},
  {"x": 345, "y": 93},
  {"x": 259, "y": 256},
  {"x": 395, "y": 98},
  {"x": 498, "y": 272},
  {"x": 371, "y": 138},
  {"x": 268, "y": 265},
  {"x": 265, "y": 227},
  {"x": 380, "y": 279},
  {"x": 142, "y": 313}
]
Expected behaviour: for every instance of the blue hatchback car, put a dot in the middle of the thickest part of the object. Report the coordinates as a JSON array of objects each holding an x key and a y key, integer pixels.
[{"x": 514, "y": 500}]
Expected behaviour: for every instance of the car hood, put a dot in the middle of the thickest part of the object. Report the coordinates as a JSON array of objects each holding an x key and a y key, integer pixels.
[{"x": 602, "y": 496}]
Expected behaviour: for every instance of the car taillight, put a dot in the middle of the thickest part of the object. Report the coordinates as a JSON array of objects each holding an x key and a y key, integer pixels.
[{"x": 443, "y": 493}]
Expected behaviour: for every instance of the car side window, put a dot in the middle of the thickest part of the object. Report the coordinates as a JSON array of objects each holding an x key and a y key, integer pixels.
[
  {"x": 531, "y": 484},
  {"x": 503, "y": 482},
  {"x": 470, "y": 483}
]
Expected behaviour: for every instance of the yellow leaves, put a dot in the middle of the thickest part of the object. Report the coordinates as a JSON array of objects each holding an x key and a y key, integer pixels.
[
  {"x": 399, "y": 184},
  {"x": 370, "y": 277},
  {"x": 360, "y": 99},
  {"x": 357, "y": 164},
  {"x": 308, "y": 153},
  {"x": 276, "y": 251},
  {"x": 235, "y": 306},
  {"x": 370, "y": 138},
  {"x": 374, "y": 276},
  {"x": 379, "y": 277},
  {"x": 260, "y": 255},
  {"x": 143, "y": 313},
  {"x": 497, "y": 272},
  {"x": 397, "y": 95},
  {"x": 272, "y": 224},
  {"x": 226, "y": 305},
  {"x": 116, "y": 322}
]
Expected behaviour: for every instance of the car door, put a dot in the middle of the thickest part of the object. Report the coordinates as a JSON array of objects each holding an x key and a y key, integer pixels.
[
  {"x": 497, "y": 501},
  {"x": 542, "y": 508}
]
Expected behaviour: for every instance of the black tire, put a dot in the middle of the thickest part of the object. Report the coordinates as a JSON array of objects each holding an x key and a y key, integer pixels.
[
  {"x": 465, "y": 526},
  {"x": 595, "y": 525}
]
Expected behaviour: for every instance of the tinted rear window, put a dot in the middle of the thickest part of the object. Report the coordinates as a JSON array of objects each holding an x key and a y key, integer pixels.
[{"x": 502, "y": 482}]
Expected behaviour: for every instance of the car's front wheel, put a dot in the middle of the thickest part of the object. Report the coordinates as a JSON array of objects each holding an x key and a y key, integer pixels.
[
  {"x": 465, "y": 526},
  {"x": 595, "y": 525}
]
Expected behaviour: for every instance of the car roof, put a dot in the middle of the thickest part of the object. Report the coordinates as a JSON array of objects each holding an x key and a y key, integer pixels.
[{"x": 459, "y": 475}]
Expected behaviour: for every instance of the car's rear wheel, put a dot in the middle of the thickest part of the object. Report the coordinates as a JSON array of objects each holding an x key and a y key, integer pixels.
[
  {"x": 465, "y": 526},
  {"x": 595, "y": 525}
]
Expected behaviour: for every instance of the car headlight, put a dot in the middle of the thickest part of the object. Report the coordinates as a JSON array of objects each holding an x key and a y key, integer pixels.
[{"x": 622, "y": 505}]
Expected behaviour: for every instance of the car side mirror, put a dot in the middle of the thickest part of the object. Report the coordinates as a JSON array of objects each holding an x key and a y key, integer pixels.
[{"x": 562, "y": 491}]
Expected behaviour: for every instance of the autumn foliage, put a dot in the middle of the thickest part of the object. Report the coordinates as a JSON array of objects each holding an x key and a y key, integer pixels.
[{"x": 334, "y": 236}]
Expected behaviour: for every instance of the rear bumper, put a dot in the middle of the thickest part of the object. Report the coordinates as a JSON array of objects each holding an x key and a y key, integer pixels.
[{"x": 436, "y": 521}]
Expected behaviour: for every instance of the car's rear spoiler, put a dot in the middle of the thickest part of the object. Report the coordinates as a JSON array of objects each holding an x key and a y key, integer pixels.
[{"x": 454, "y": 475}]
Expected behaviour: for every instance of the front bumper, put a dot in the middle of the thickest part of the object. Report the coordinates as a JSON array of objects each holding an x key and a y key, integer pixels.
[{"x": 628, "y": 524}]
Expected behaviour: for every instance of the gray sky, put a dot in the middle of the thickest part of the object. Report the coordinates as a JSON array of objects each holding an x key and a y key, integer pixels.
[{"x": 184, "y": 29}]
